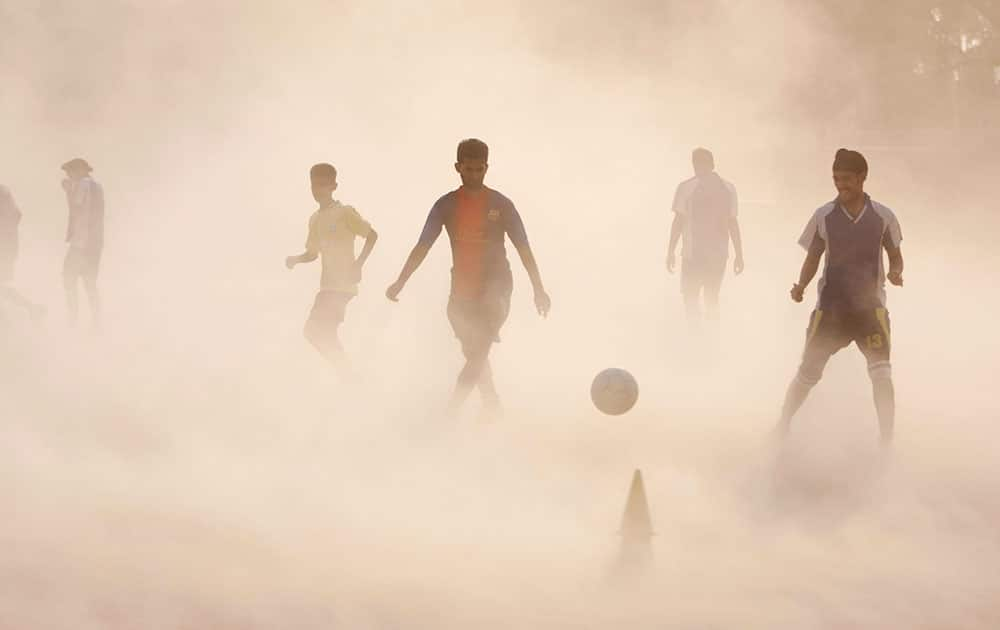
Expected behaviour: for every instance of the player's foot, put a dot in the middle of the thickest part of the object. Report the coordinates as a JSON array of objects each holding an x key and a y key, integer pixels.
[{"x": 491, "y": 412}]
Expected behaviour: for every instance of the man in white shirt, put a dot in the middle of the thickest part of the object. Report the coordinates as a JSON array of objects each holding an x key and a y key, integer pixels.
[
  {"x": 85, "y": 235},
  {"x": 705, "y": 210}
]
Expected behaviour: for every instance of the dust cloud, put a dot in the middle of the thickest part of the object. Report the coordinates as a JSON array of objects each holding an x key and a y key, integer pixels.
[{"x": 196, "y": 465}]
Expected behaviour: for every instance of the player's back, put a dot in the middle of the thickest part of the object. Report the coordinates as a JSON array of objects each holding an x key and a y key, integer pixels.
[{"x": 711, "y": 203}]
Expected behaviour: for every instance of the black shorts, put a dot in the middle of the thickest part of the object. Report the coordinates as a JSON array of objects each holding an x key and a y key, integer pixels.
[
  {"x": 82, "y": 263},
  {"x": 329, "y": 308},
  {"x": 477, "y": 322},
  {"x": 697, "y": 274},
  {"x": 829, "y": 331}
]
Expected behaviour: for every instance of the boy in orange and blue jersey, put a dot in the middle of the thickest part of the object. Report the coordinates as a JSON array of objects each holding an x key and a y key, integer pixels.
[{"x": 477, "y": 220}]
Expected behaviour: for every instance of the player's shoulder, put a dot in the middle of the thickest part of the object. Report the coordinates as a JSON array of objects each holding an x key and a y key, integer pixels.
[
  {"x": 497, "y": 198},
  {"x": 883, "y": 210},
  {"x": 822, "y": 211},
  {"x": 688, "y": 183},
  {"x": 445, "y": 201}
]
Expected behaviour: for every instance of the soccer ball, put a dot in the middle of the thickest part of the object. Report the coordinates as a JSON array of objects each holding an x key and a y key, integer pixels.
[{"x": 614, "y": 391}]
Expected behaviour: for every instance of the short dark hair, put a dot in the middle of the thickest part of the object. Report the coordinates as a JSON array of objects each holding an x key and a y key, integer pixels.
[
  {"x": 851, "y": 161},
  {"x": 322, "y": 171},
  {"x": 701, "y": 155},
  {"x": 472, "y": 149}
]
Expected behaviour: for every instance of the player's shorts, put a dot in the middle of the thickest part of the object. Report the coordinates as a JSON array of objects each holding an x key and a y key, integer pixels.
[
  {"x": 82, "y": 263},
  {"x": 698, "y": 274},
  {"x": 477, "y": 322},
  {"x": 829, "y": 331},
  {"x": 329, "y": 308}
]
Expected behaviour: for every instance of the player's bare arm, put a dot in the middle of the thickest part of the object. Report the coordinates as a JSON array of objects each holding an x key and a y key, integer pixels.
[
  {"x": 809, "y": 268},
  {"x": 676, "y": 229},
  {"x": 542, "y": 301},
  {"x": 895, "y": 275},
  {"x": 737, "y": 238},
  {"x": 305, "y": 257},
  {"x": 413, "y": 261},
  {"x": 366, "y": 251}
]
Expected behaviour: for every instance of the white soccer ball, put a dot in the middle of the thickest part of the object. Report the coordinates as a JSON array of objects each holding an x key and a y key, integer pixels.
[{"x": 614, "y": 391}]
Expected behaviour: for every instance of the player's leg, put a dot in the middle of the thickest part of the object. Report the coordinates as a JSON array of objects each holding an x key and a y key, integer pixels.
[
  {"x": 71, "y": 277},
  {"x": 690, "y": 290},
  {"x": 322, "y": 327},
  {"x": 91, "y": 265},
  {"x": 874, "y": 340},
  {"x": 823, "y": 339},
  {"x": 13, "y": 296},
  {"x": 713, "y": 275},
  {"x": 468, "y": 320}
]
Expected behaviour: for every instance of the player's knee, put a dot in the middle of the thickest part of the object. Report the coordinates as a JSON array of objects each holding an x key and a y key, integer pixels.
[
  {"x": 880, "y": 372},
  {"x": 808, "y": 376}
]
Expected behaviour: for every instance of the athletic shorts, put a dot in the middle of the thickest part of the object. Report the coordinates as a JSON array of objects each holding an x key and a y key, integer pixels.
[
  {"x": 82, "y": 263},
  {"x": 329, "y": 308},
  {"x": 829, "y": 331},
  {"x": 697, "y": 274},
  {"x": 477, "y": 322}
]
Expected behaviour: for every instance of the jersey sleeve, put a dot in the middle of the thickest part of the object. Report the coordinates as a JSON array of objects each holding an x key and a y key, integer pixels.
[
  {"x": 312, "y": 238},
  {"x": 433, "y": 225},
  {"x": 811, "y": 232},
  {"x": 681, "y": 198},
  {"x": 893, "y": 233},
  {"x": 357, "y": 224}
]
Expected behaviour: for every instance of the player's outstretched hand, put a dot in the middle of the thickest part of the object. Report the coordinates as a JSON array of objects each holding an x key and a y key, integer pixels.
[
  {"x": 393, "y": 291},
  {"x": 671, "y": 263},
  {"x": 895, "y": 277},
  {"x": 796, "y": 292},
  {"x": 291, "y": 261},
  {"x": 543, "y": 303},
  {"x": 738, "y": 265}
]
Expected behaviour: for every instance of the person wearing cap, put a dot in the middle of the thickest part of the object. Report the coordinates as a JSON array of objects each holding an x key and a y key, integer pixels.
[
  {"x": 85, "y": 235},
  {"x": 850, "y": 234},
  {"x": 705, "y": 209},
  {"x": 333, "y": 229},
  {"x": 10, "y": 220}
]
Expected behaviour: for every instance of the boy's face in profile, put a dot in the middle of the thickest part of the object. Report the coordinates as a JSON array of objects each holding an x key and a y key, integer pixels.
[
  {"x": 323, "y": 187},
  {"x": 472, "y": 171}
]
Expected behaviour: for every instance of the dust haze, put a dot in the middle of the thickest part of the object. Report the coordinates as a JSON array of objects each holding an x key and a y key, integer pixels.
[{"x": 197, "y": 465}]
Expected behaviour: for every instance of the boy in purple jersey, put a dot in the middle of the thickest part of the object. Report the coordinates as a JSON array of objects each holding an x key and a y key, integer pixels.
[
  {"x": 852, "y": 231},
  {"x": 477, "y": 219}
]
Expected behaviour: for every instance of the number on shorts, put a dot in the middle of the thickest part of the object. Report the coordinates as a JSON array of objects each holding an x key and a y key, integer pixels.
[{"x": 874, "y": 341}]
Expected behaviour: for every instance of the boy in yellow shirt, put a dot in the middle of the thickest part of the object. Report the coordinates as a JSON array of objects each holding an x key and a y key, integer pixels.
[{"x": 332, "y": 230}]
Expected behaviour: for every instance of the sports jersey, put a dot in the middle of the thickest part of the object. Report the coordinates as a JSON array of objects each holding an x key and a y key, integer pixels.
[
  {"x": 85, "y": 197},
  {"x": 476, "y": 222},
  {"x": 332, "y": 230},
  {"x": 853, "y": 273},
  {"x": 707, "y": 202}
]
